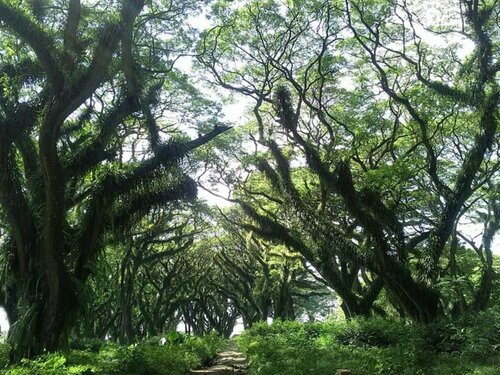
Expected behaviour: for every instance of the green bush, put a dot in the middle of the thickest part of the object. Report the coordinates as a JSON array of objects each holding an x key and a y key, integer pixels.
[
  {"x": 163, "y": 360},
  {"x": 285, "y": 348},
  {"x": 474, "y": 336},
  {"x": 372, "y": 346},
  {"x": 147, "y": 357},
  {"x": 375, "y": 332},
  {"x": 50, "y": 364},
  {"x": 93, "y": 345}
]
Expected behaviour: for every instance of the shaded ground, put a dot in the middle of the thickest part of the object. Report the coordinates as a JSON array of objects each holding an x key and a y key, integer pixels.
[{"x": 226, "y": 362}]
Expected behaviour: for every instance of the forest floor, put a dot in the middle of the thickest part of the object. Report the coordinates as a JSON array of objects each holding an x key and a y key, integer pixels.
[{"x": 229, "y": 361}]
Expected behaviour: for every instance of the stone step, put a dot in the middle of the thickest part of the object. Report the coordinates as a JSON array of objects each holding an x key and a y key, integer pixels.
[
  {"x": 230, "y": 353},
  {"x": 217, "y": 369},
  {"x": 232, "y": 360},
  {"x": 228, "y": 362}
]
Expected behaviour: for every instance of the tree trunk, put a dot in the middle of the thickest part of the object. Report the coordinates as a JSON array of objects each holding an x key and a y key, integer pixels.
[
  {"x": 419, "y": 301},
  {"x": 46, "y": 319}
]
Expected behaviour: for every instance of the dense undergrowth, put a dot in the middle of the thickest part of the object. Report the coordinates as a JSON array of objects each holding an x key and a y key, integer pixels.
[
  {"x": 148, "y": 357},
  {"x": 470, "y": 345}
]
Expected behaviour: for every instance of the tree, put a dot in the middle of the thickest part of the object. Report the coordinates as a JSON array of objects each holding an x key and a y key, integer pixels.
[
  {"x": 400, "y": 151},
  {"x": 82, "y": 89},
  {"x": 263, "y": 279},
  {"x": 139, "y": 283}
]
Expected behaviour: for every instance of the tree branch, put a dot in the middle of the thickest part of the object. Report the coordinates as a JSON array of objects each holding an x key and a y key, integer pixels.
[{"x": 37, "y": 39}]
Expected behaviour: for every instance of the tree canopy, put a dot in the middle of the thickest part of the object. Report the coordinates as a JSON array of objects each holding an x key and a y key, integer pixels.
[{"x": 374, "y": 174}]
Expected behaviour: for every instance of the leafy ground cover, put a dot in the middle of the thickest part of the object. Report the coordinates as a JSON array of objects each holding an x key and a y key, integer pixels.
[
  {"x": 179, "y": 354},
  {"x": 375, "y": 346}
]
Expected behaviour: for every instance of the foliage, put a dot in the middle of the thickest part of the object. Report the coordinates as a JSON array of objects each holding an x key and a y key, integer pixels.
[
  {"x": 366, "y": 346},
  {"x": 472, "y": 336},
  {"x": 369, "y": 148},
  {"x": 153, "y": 263},
  {"x": 87, "y": 344},
  {"x": 147, "y": 357},
  {"x": 262, "y": 278}
]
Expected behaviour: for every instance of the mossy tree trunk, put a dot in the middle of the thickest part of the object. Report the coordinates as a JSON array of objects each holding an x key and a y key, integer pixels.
[{"x": 61, "y": 186}]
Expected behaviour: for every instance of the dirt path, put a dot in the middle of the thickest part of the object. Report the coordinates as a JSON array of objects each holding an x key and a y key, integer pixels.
[{"x": 227, "y": 362}]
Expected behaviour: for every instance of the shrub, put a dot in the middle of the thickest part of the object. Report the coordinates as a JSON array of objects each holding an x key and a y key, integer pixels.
[
  {"x": 367, "y": 333},
  {"x": 472, "y": 336},
  {"x": 50, "y": 364},
  {"x": 371, "y": 346},
  {"x": 92, "y": 345},
  {"x": 147, "y": 357}
]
